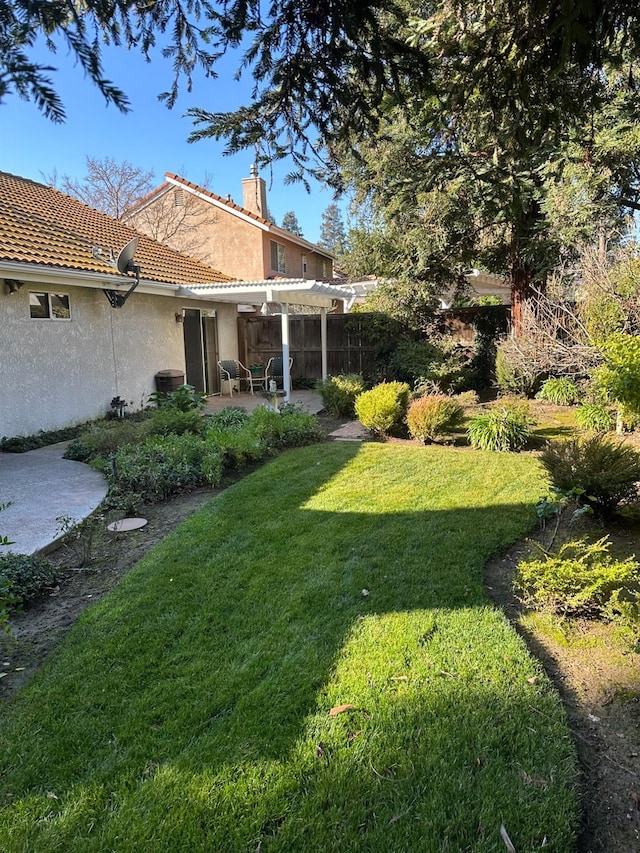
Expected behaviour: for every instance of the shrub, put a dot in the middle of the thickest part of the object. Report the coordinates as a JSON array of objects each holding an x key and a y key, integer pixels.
[
  {"x": 291, "y": 427},
  {"x": 596, "y": 417},
  {"x": 505, "y": 427},
  {"x": 184, "y": 398},
  {"x": 339, "y": 393},
  {"x": 602, "y": 470},
  {"x": 581, "y": 579},
  {"x": 467, "y": 398},
  {"x": 23, "y": 443},
  {"x": 103, "y": 438},
  {"x": 160, "y": 466},
  {"x": 175, "y": 421},
  {"x": 23, "y": 576},
  {"x": 620, "y": 375},
  {"x": 232, "y": 417},
  {"x": 433, "y": 416},
  {"x": 236, "y": 445},
  {"x": 383, "y": 407},
  {"x": 511, "y": 376},
  {"x": 561, "y": 391},
  {"x": 438, "y": 363}
]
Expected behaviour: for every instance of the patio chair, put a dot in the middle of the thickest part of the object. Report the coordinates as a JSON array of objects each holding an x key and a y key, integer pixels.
[
  {"x": 275, "y": 370},
  {"x": 233, "y": 371}
]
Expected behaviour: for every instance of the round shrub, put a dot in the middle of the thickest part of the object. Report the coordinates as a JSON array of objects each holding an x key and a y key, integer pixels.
[
  {"x": 504, "y": 427},
  {"x": 604, "y": 471},
  {"x": 339, "y": 393},
  {"x": 561, "y": 391},
  {"x": 434, "y": 416},
  {"x": 380, "y": 409},
  {"x": 595, "y": 417}
]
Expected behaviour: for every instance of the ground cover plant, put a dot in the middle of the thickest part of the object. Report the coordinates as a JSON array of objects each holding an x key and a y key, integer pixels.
[
  {"x": 175, "y": 449},
  {"x": 331, "y": 673},
  {"x": 581, "y": 579}
]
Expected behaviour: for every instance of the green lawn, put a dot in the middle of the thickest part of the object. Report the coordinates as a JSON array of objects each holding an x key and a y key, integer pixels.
[{"x": 189, "y": 710}]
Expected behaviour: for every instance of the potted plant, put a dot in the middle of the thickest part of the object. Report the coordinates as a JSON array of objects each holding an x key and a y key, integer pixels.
[{"x": 256, "y": 368}]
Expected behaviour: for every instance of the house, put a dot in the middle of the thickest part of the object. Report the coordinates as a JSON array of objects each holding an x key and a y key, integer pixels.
[
  {"x": 91, "y": 310},
  {"x": 239, "y": 239}
]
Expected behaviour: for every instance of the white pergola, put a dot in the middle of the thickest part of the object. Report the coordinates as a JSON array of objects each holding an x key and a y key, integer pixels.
[{"x": 286, "y": 292}]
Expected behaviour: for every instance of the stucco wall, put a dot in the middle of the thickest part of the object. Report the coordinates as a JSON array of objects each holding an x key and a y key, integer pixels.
[
  {"x": 225, "y": 242},
  {"x": 54, "y": 373}
]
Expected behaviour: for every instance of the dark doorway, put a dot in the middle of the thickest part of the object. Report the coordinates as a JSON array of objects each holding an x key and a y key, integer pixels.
[{"x": 201, "y": 350}]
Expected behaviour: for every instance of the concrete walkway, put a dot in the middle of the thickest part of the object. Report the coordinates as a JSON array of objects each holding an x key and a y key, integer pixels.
[{"x": 42, "y": 487}]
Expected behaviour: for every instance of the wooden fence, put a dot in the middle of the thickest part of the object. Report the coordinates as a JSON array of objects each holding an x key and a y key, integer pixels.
[{"x": 260, "y": 337}]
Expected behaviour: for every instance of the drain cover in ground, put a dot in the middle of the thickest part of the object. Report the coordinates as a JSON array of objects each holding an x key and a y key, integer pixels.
[{"x": 126, "y": 524}]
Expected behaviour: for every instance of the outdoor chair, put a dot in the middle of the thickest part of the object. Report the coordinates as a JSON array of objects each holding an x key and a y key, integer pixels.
[
  {"x": 233, "y": 371},
  {"x": 275, "y": 370}
]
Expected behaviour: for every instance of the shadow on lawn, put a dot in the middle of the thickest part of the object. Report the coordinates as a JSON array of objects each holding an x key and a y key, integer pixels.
[{"x": 198, "y": 691}]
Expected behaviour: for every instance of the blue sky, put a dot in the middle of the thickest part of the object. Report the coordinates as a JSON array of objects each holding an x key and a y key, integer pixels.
[{"x": 150, "y": 136}]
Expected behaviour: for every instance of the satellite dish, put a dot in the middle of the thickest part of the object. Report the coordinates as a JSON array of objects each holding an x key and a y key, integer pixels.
[
  {"x": 125, "y": 265},
  {"x": 125, "y": 258}
]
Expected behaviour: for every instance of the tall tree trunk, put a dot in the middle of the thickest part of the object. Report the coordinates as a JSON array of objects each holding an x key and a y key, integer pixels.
[{"x": 521, "y": 291}]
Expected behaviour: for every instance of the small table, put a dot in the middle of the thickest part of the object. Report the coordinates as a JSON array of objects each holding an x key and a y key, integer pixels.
[{"x": 272, "y": 398}]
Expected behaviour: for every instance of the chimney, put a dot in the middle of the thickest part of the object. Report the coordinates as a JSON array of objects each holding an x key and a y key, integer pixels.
[{"x": 254, "y": 193}]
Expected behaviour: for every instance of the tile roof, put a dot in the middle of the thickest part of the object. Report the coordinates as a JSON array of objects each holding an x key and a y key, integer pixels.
[{"x": 40, "y": 225}]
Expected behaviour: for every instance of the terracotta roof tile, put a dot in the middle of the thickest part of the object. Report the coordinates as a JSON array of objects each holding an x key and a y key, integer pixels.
[{"x": 40, "y": 225}]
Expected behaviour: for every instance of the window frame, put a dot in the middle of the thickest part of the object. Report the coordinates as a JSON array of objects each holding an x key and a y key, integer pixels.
[
  {"x": 279, "y": 254},
  {"x": 51, "y": 315}
]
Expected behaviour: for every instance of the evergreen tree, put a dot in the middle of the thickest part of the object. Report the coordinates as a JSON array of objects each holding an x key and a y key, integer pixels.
[
  {"x": 290, "y": 223},
  {"x": 332, "y": 232}
]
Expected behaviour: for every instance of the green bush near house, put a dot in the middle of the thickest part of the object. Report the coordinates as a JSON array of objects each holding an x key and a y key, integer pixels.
[
  {"x": 168, "y": 421},
  {"x": 339, "y": 393},
  {"x": 104, "y": 438},
  {"x": 161, "y": 466},
  {"x": 434, "y": 416},
  {"x": 383, "y": 407},
  {"x": 184, "y": 398},
  {"x": 604, "y": 471}
]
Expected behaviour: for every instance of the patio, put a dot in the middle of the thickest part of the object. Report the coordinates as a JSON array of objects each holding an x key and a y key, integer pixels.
[{"x": 310, "y": 401}]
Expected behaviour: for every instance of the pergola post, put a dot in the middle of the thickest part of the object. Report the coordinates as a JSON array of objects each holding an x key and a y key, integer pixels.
[
  {"x": 323, "y": 340},
  {"x": 286, "y": 372}
]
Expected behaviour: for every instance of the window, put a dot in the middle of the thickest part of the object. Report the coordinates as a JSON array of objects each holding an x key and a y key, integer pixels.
[
  {"x": 326, "y": 267},
  {"x": 277, "y": 256},
  {"x": 49, "y": 306},
  {"x": 304, "y": 265}
]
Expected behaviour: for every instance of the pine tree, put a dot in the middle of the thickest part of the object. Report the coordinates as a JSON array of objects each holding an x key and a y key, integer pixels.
[
  {"x": 290, "y": 223},
  {"x": 332, "y": 232}
]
